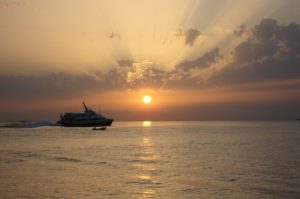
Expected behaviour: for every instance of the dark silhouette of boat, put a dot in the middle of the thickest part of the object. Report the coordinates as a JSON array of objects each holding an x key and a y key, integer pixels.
[{"x": 87, "y": 118}]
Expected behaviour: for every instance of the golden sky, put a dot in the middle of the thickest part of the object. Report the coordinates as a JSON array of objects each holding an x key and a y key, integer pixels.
[{"x": 191, "y": 54}]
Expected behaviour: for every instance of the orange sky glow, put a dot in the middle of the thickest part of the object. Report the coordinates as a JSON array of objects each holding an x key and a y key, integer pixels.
[{"x": 197, "y": 59}]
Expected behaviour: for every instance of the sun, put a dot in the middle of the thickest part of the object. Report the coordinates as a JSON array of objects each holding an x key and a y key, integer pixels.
[{"x": 147, "y": 99}]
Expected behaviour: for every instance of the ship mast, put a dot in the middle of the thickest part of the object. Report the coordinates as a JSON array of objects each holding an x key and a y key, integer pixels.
[{"x": 85, "y": 107}]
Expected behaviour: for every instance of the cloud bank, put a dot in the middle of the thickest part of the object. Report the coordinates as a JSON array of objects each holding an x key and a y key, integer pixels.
[{"x": 269, "y": 52}]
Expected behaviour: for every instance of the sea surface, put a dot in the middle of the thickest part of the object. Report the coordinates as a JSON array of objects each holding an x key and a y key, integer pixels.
[{"x": 174, "y": 160}]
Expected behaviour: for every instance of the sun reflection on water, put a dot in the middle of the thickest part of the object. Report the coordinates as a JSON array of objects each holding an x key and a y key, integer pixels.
[
  {"x": 147, "y": 166},
  {"x": 148, "y": 193},
  {"x": 146, "y": 123},
  {"x": 146, "y": 142},
  {"x": 144, "y": 177}
]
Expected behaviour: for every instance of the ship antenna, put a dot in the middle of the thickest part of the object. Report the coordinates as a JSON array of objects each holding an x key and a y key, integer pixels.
[{"x": 85, "y": 107}]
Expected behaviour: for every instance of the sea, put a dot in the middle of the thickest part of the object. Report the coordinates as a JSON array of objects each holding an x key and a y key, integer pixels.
[{"x": 144, "y": 159}]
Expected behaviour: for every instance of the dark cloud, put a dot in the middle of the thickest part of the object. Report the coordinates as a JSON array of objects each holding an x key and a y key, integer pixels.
[
  {"x": 190, "y": 35},
  {"x": 270, "y": 53},
  {"x": 125, "y": 63},
  {"x": 62, "y": 85},
  {"x": 264, "y": 71},
  {"x": 200, "y": 63},
  {"x": 241, "y": 31},
  {"x": 152, "y": 76},
  {"x": 269, "y": 37}
]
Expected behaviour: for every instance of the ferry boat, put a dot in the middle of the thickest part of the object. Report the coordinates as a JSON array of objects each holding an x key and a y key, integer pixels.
[{"x": 87, "y": 118}]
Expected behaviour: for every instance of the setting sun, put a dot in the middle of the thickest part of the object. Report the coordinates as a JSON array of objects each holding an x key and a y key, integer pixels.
[{"x": 147, "y": 99}]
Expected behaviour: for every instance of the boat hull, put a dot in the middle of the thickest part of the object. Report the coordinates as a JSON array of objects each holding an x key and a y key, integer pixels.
[{"x": 96, "y": 123}]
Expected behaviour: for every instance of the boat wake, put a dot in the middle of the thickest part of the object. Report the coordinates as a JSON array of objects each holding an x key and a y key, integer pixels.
[{"x": 31, "y": 124}]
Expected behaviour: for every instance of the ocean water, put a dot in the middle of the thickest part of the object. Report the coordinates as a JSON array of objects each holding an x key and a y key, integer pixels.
[{"x": 138, "y": 160}]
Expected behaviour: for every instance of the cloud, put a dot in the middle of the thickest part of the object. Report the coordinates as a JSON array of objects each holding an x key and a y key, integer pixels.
[
  {"x": 58, "y": 85},
  {"x": 190, "y": 35},
  {"x": 264, "y": 71},
  {"x": 202, "y": 62},
  {"x": 269, "y": 53},
  {"x": 125, "y": 63},
  {"x": 126, "y": 75},
  {"x": 143, "y": 74},
  {"x": 241, "y": 31}
]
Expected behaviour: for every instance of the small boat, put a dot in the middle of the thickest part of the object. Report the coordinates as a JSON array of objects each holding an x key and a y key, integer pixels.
[{"x": 101, "y": 128}]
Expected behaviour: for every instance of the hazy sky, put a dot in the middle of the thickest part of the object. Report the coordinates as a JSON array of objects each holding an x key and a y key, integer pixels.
[{"x": 198, "y": 59}]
